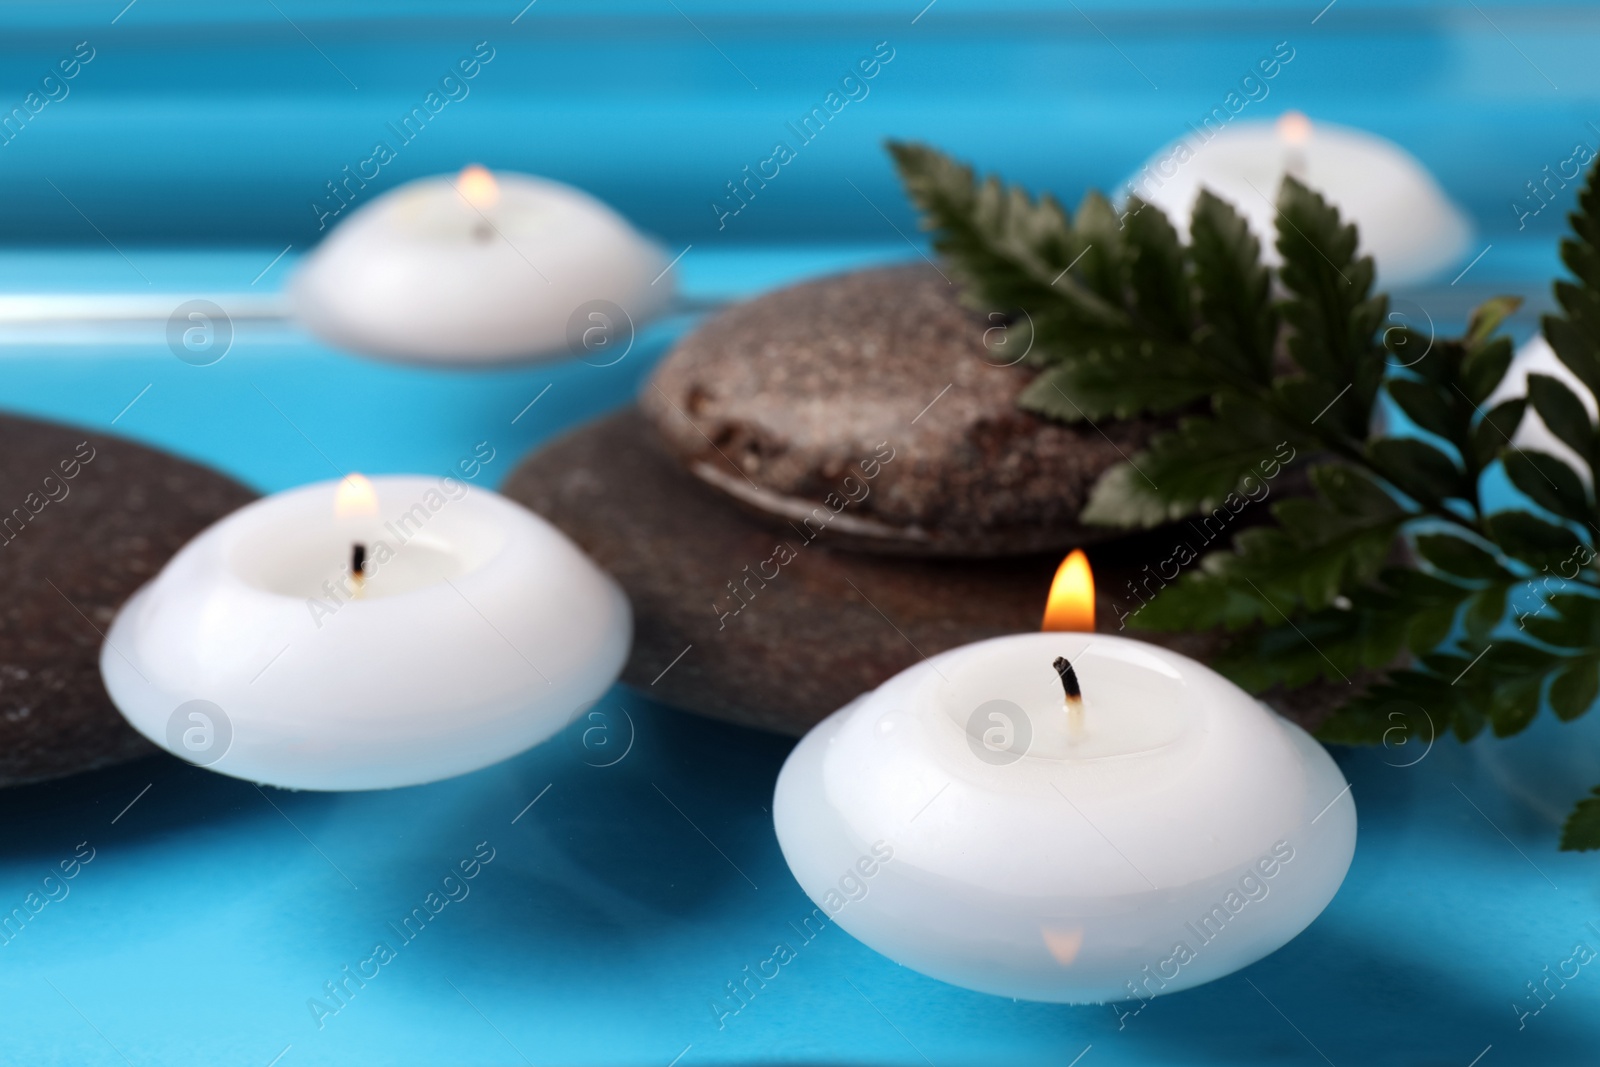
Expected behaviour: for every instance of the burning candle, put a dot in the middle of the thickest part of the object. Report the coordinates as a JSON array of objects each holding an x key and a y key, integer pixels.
[
  {"x": 1065, "y": 816},
  {"x": 366, "y": 634},
  {"x": 482, "y": 269},
  {"x": 1407, "y": 223}
]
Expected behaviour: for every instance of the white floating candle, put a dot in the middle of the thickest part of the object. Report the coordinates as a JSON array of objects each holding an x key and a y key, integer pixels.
[
  {"x": 1407, "y": 223},
  {"x": 481, "y": 268},
  {"x": 966, "y": 821},
  {"x": 356, "y": 635}
]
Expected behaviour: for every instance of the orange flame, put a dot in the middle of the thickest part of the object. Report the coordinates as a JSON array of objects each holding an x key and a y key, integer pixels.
[
  {"x": 1071, "y": 603},
  {"x": 1294, "y": 128},
  {"x": 478, "y": 187},
  {"x": 355, "y": 496}
]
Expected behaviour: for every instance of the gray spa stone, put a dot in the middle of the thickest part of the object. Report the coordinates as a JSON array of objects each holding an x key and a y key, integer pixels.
[
  {"x": 85, "y": 519},
  {"x": 790, "y": 401},
  {"x": 781, "y": 652}
]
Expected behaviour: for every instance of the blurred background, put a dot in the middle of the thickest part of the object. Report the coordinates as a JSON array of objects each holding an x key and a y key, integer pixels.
[{"x": 220, "y": 124}]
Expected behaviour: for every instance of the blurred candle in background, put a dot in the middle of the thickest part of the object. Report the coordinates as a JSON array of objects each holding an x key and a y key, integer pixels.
[
  {"x": 481, "y": 268},
  {"x": 1406, "y": 222}
]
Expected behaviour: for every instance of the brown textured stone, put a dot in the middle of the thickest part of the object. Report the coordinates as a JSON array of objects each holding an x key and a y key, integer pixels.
[
  {"x": 828, "y": 627},
  {"x": 781, "y": 400},
  {"x": 66, "y": 567}
]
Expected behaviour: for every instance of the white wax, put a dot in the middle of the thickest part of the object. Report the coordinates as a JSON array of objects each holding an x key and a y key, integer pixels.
[
  {"x": 450, "y": 270},
  {"x": 479, "y": 631},
  {"x": 1073, "y": 871},
  {"x": 1406, "y": 222}
]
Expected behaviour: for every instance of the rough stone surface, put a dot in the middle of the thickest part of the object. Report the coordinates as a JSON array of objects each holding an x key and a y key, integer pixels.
[
  {"x": 789, "y": 399},
  {"x": 71, "y": 551},
  {"x": 830, "y": 625}
]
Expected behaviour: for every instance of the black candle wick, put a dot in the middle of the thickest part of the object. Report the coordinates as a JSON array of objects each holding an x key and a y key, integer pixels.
[
  {"x": 1069, "y": 678},
  {"x": 358, "y": 560}
]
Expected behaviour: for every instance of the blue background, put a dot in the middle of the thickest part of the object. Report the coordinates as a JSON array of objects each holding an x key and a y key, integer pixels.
[
  {"x": 185, "y": 159},
  {"x": 220, "y": 123}
]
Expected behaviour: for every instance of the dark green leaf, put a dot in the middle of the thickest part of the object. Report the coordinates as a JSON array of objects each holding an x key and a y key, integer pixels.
[
  {"x": 1315, "y": 396},
  {"x": 1356, "y": 724},
  {"x": 1196, "y": 468},
  {"x": 1330, "y": 645},
  {"x": 1157, "y": 273},
  {"x": 1430, "y": 627},
  {"x": 1517, "y": 659},
  {"x": 1112, "y": 382},
  {"x": 1333, "y": 322},
  {"x": 1548, "y": 482},
  {"x": 1514, "y": 703},
  {"x": 1104, "y": 263},
  {"x": 1579, "y": 351},
  {"x": 1323, "y": 546},
  {"x": 1483, "y": 369},
  {"x": 1234, "y": 290},
  {"x": 1125, "y": 497},
  {"x": 1455, "y": 555},
  {"x": 1427, "y": 407},
  {"x": 1493, "y": 431},
  {"x": 1582, "y": 831},
  {"x": 1484, "y": 611},
  {"x": 1353, "y": 492},
  {"x": 1400, "y": 701},
  {"x": 1416, "y": 468},
  {"x": 1571, "y": 620},
  {"x": 1008, "y": 249},
  {"x": 1532, "y": 540},
  {"x": 1563, "y": 413},
  {"x": 1574, "y": 690},
  {"x": 1408, "y": 349}
]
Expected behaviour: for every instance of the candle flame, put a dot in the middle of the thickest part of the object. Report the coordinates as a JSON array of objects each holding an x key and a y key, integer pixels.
[
  {"x": 1294, "y": 128},
  {"x": 355, "y": 496},
  {"x": 1071, "y": 602},
  {"x": 478, "y": 187}
]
